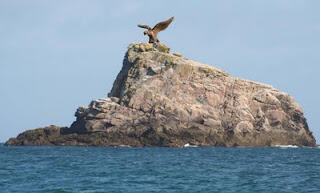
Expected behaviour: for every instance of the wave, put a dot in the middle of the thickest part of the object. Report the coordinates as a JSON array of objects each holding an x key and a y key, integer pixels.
[
  {"x": 286, "y": 146},
  {"x": 188, "y": 145}
]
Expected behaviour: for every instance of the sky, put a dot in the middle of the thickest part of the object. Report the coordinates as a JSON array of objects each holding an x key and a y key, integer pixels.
[{"x": 58, "y": 55}]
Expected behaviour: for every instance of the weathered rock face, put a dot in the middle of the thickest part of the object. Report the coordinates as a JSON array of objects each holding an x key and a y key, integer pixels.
[{"x": 163, "y": 99}]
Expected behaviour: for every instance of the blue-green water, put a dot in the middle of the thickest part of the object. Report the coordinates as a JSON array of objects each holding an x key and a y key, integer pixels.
[{"x": 98, "y": 169}]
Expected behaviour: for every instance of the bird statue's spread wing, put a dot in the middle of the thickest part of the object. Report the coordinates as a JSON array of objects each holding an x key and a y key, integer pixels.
[
  {"x": 144, "y": 26},
  {"x": 162, "y": 25}
]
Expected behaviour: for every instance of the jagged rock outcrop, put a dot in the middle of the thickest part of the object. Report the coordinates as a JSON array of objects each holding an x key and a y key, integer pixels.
[{"x": 163, "y": 99}]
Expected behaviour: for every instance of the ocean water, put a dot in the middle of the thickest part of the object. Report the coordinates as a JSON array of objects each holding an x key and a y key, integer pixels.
[{"x": 115, "y": 169}]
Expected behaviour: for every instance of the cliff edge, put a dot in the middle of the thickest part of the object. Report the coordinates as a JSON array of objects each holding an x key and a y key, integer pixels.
[{"x": 163, "y": 99}]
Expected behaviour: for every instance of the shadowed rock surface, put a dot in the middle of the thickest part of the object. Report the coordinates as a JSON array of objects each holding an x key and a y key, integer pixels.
[{"x": 163, "y": 99}]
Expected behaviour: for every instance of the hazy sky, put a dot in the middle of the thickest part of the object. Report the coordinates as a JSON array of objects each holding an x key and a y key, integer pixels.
[{"x": 58, "y": 55}]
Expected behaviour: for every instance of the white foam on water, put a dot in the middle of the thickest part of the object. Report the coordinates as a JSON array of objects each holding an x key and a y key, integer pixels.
[
  {"x": 286, "y": 146},
  {"x": 188, "y": 145}
]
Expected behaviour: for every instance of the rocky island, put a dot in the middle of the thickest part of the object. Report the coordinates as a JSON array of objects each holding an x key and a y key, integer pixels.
[{"x": 163, "y": 99}]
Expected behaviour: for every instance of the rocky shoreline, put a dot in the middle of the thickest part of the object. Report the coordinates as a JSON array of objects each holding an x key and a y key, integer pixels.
[{"x": 163, "y": 99}]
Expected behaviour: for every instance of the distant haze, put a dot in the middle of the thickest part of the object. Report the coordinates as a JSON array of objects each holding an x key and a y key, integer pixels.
[{"x": 58, "y": 55}]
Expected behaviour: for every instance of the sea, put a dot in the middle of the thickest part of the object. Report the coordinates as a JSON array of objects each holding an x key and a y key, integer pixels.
[{"x": 158, "y": 169}]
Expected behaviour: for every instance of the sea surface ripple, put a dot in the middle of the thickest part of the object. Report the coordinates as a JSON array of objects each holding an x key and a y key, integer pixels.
[{"x": 115, "y": 169}]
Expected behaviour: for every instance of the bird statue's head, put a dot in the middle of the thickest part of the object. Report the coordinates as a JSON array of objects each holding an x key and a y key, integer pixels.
[{"x": 145, "y": 32}]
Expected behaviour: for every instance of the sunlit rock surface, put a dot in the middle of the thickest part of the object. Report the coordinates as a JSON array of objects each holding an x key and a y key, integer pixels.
[{"x": 163, "y": 99}]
